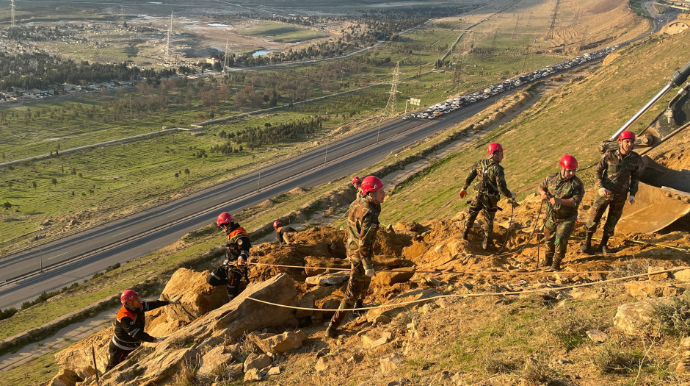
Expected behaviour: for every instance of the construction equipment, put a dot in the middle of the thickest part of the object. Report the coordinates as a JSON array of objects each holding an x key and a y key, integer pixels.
[{"x": 664, "y": 194}]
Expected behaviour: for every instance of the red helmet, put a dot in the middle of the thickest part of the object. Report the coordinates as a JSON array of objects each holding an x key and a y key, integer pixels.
[
  {"x": 371, "y": 184},
  {"x": 626, "y": 135},
  {"x": 224, "y": 218},
  {"x": 276, "y": 224},
  {"x": 494, "y": 147},
  {"x": 568, "y": 162},
  {"x": 128, "y": 295},
  {"x": 356, "y": 180}
]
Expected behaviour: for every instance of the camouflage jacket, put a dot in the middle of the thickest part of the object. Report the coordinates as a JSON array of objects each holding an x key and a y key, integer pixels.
[
  {"x": 491, "y": 179},
  {"x": 564, "y": 189},
  {"x": 362, "y": 225},
  {"x": 618, "y": 173}
]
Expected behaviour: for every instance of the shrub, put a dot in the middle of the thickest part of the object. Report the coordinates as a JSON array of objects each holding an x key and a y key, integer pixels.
[
  {"x": 614, "y": 359},
  {"x": 673, "y": 318}
]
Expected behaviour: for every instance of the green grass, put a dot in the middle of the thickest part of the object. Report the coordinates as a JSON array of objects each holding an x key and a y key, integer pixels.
[
  {"x": 36, "y": 371},
  {"x": 280, "y": 32}
]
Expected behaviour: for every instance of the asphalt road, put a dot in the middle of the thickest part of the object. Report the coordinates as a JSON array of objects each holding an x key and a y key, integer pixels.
[{"x": 120, "y": 241}]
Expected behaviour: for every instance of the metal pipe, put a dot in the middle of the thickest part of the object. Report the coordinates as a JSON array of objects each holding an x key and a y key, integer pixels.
[{"x": 642, "y": 110}]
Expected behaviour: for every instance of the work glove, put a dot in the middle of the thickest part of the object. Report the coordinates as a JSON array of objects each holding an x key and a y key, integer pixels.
[
  {"x": 242, "y": 260},
  {"x": 603, "y": 192},
  {"x": 175, "y": 300},
  {"x": 463, "y": 193},
  {"x": 370, "y": 272},
  {"x": 162, "y": 338},
  {"x": 631, "y": 200}
]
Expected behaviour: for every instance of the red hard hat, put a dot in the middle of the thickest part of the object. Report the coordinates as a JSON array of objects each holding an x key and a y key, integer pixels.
[
  {"x": 494, "y": 147},
  {"x": 626, "y": 135},
  {"x": 128, "y": 295},
  {"x": 356, "y": 180},
  {"x": 224, "y": 218},
  {"x": 569, "y": 162},
  {"x": 276, "y": 224},
  {"x": 371, "y": 184}
]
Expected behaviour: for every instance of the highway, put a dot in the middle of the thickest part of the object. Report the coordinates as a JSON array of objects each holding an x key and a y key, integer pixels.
[{"x": 78, "y": 257}]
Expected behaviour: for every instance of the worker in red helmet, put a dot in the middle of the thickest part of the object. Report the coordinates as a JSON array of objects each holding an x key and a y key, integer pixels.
[
  {"x": 616, "y": 178},
  {"x": 562, "y": 193},
  {"x": 130, "y": 324},
  {"x": 491, "y": 185},
  {"x": 281, "y": 231},
  {"x": 234, "y": 267},
  {"x": 357, "y": 182},
  {"x": 362, "y": 225}
]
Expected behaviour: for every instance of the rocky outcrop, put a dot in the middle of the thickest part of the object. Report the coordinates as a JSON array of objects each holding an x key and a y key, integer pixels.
[
  {"x": 641, "y": 290},
  {"x": 280, "y": 343},
  {"x": 156, "y": 366},
  {"x": 78, "y": 358}
]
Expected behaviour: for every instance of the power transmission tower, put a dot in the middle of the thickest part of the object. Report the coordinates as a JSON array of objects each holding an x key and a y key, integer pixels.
[
  {"x": 12, "y": 13},
  {"x": 549, "y": 34},
  {"x": 584, "y": 38},
  {"x": 168, "y": 53},
  {"x": 517, "y": 23},
  {"x": 225, "y": 57},
  {"x": 393, "y": 93}
]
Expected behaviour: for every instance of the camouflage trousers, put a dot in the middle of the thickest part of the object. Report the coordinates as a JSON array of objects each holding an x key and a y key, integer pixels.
[
  {"x": 488, "y": 205},
  {"x": 356, "y": 287},
  {"x": 556, "y": 234},
  {"x": 615, "y": 204}
]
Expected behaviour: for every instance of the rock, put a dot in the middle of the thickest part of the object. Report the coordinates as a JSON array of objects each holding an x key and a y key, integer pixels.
[
  {"x": 683, "y": 275},
  {"x": 257, "y": 361},
  {"x": 584, "y": 294},
  {"x": 252, "y": 375},
  {"x": 634, "y": 318},
  {"x": 382, "y": 319},
  {"x": 198, "y": 298},
  {"x": 231, "y": 321},
  {"x": 415, "y": 250},
  {"x": 389, "y": 278},
  {"x": 641, "y": 290},
  {"x": 315, "y": 261},
  {"x": 234, "y": 371},
  {"x": 306, "y": 301},
  {"x": 274, "y": 371},
  {"x": 683, "y": 366},
  {"x": 323, "y": 363},
  {"x": 597, "y": 336},
  {"x": 79, "y": 359},
  {"x": 369, "y": 343},
  {"x": 418, "y": 294},
  {"x": 659, "y": 276},
  {"x": 212, "y": 361},
  {"x": 279, "y": 344},
  {"x": 65, "y": 377},
  {"x": 391, "y": 362},
  {"x": 328, "y": 279},
  {"x": 331, "y": 304}
]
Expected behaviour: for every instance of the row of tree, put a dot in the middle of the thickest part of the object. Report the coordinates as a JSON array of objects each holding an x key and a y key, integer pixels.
[{"x": 270, "y": 134}]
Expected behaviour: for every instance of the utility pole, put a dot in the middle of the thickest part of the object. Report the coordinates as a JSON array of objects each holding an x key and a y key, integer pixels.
[
  {"x": 225, "y": 58},
  {"x": 325, "y": 157},
  {"x": 12, "y": 13},
  {"x": 393, "y": 93},
  {"x": 41, "y": 253},
  {"x": 259, "y": 184}
]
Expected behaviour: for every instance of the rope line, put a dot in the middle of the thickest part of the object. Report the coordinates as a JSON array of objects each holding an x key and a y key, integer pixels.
[{"x": 474, "y": 295}]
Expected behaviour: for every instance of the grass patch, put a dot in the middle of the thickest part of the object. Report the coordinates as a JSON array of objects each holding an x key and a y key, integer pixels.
[{"x": 37, "y": 371}]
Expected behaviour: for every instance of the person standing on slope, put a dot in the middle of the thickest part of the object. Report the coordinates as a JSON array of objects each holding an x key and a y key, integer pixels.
[
  {"x": 562, "y": 193},
  {"x": 491, "y": 185},
  {"x": 130, "y": 324},
  {"x": 616, "y": 177},
  {"x": 357, "y": 183},
  {"x": 234, "y": 267},
  {"x": 362, "y": 225},
  {"x": 281, "y": 231}
]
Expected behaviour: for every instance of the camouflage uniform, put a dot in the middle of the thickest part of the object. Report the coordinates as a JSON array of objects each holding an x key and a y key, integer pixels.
[
  {"x": 560, "y": 219},
  {"x": 491, "y": 184},
  {"x": 363, "y": 223},
  {"x": 619, "y": 175}
]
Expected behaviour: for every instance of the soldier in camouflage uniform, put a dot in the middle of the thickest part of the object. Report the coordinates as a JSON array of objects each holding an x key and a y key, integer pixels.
[
  {"x": 357, "y": 182},
  {"x": 617, "y": 174},
  {"x": 491, "y": 184},
  {"x": 363, "y": 223},
  {"x": 563, "y": 193}
]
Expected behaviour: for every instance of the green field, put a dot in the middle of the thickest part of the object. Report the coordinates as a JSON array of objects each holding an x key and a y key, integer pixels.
[{"x": 283, "y": 33}]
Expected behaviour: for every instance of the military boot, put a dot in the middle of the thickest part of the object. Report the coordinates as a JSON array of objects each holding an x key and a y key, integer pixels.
[
  {"x": 556, "y": 265},
  {"x": 548, "y": 260},
  {"x": 603, "y": 248},
  {"x": 488, "y": 242},
  {"x": 587, "y": 245},
  {"x": 465, "y": 233}
]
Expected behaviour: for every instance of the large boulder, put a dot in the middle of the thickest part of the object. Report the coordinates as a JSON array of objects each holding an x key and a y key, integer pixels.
[
  {"x": 78, "y": 358},
  {"x": 280, "y": 343},
  {"x": 214, "y": 362},
  {"x": 390, "y": 277},
  {"x": 227, "y": 323},
  {"x": 635, "y": 318},
  {"x": 198, "y": 298},
  {"x": 641, "y": 290}
]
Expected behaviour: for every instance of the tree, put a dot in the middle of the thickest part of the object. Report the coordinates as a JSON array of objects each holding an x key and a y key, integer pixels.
[
  {"x": 54, "y": 181},
  {"x": 186, "y": 171},
  {"x": 10, "y": 183},
  {"x": 7, "y": 205},
  {"x": 35, "y": 185}
]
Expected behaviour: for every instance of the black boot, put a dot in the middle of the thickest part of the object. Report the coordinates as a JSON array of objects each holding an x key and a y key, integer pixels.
[
  {"x": 556, "y": 265},
  {"x": 587, "y": 245},
  {"x": 548, "y": 260},
  {"x": 488, "y": 242},
  {"x": 603, "y": 248}
]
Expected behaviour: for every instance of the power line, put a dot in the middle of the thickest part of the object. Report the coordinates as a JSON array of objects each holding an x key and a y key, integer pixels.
[{"x": 549, "y": 35}]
